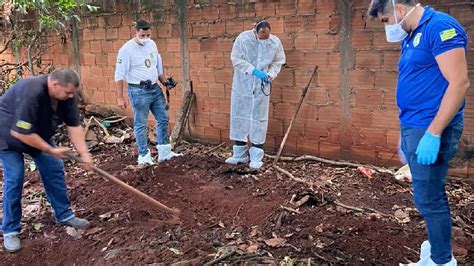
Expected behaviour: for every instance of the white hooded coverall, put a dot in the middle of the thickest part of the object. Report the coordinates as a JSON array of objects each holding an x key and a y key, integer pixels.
[{"x": 249, "y": 105}]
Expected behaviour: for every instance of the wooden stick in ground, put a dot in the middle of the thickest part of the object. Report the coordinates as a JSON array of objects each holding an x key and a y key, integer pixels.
[
  {"x": 129, "y": 188},
  {"x": 303, "y": 94},
  {"x": 183, "y": 116},
  {"x": 214, "y": 148}
]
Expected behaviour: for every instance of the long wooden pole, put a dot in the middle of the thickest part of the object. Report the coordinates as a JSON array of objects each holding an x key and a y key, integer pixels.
[
  {"x": 303, "y": 94},
  {"x": 129, "y": 188}
]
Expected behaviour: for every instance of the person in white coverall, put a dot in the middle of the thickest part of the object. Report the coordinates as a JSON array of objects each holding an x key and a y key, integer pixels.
[{"x": 257, "y": 57}]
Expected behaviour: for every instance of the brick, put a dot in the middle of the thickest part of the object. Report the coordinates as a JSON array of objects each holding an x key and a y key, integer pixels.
[
  {"x": 362, "y": 39},
  {"x": 197, "y": 59},
  {"x": 315, "y": 58},
  {"x": 172, "y": 45},
  {"x": 359, "y": 20},
  {"x": 200, "y": 29},
  {"x": 361, "y": 79},
  {"x": 308, "y": 113},
  {"x": 285, "y": 78},
  {"x": 96, "y": 47},
  {"x": 215, "y": 59},
  {"x": 219, "y": 120},
  {"x": 390, "y": 60},
  {"x": 318, "y": 24},
  {"x": 285, "y": 8},
  {"x": 329, "y": 77},
  {"x": 99, "y": 34},
  {"x": 363, "y": 154},
  {"x": 373, "y": 137},
  {"x": 111, "y": 33},
  {"x": 101, "y": 59},
  {"x": 361, "y": 117},
  {"x": 227, "y": 11},
  {"x": 246, "y": 10},
  {"x": 265, "y": 9},
  {"x": 334, "y": 60},
  {"x": 217, "y": 29},
  {"x": 88, "y": 59},
  {"x": 234, "y": 27},
  {"x": 288, "y": 43},
  {"x": 329, "y": 114},
  {"x": 306, "y": 7},
  {"x": 293, "y": 24},
  {"x": 194, "y": 13},
  {"x": 306, "y": 42},
  {"x": 207, "y": 75},
  {"x": 223, "y": 76},
  {"x": 194, "y": 45},
  {"x": 201, "y": 119},
  {"x": 87, "y": 35},
  {"x": 329, "y": 150},
  {"x": 295, "y": 58},
  {"x": 325, "y": 6},
  {"x": 386, "y": 80},
  {"x": 368, "y": 98},
  {"x": 387, "y": 119},
  {"x": 277, "y": 25},
  {"x": 208, "y": 45},
  {"x": 210, "y": 12},
  {"x": 369, "y": 60},
  {"x": 124, "y": 33},
  {"x": 275, "y": 127},
  {"x": 317, "y": 96},
  {"x": 212, "y": 134},
  {"x": 284, "y": 111},
  {"x": 224, "y": 45},
  {"x": 328, "y": 42},
  {"x": 297, "y": 131}
]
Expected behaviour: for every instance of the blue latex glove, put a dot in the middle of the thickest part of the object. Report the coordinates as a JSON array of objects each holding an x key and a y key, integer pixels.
[
  {"x": 261, "y": 75},
  {"x": 428, "y": 149}
]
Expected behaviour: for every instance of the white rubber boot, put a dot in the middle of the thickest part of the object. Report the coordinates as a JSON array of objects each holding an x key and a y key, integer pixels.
[
  {"x": 165, "y": 153},
  {"x": 145, "y": 159},
  {"x": 240, "y": 155},
  {"x": 256, "y": 157}
]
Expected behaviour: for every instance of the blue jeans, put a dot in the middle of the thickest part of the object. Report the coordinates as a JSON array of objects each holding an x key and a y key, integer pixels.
[
  {"x": 52, "y": 175},
  {"x": 429, "y": 183},
  {"x": 143, "y": 101}
]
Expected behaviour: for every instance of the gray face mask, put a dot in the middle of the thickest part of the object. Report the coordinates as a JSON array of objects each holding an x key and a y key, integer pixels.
[{"x": 144, "y": 41}]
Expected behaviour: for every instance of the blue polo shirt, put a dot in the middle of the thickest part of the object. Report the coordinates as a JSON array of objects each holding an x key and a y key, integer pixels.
[{"x": 421, "y": 85}]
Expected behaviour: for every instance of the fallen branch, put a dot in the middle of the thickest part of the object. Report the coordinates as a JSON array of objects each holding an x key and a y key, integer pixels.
[
  {"x": 221, "y": 258},
  {"x": 290, "y": 209},
  {"x": 292, "y": 177},
  {"x": 116, "y": 120},
  {"x": 215, "y": 148},
  {"x": 327, "y": 161},
  {"x": 365, "y": 209}
]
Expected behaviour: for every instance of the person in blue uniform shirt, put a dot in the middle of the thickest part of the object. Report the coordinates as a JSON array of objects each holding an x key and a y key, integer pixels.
[
  {"x": 30, "y": 112},
  {"x": 432, "y": 85}
]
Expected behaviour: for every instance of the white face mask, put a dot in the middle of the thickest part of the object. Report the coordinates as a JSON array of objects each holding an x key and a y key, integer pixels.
[
  {"x": 395, "y": 32},
  {"x": 144, "y": 41}
]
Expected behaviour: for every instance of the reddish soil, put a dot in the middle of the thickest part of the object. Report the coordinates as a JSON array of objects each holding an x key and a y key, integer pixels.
[{"x": 224, "y": 206}]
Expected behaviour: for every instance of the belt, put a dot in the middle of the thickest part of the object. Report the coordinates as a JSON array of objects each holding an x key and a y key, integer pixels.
[{"x": 143, "y": 86}]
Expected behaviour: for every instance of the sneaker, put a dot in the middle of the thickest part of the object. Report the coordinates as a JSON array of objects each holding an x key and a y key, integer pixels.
[
  {"x": 11, "y": 243},
  {"x": 76, "y": 222}
]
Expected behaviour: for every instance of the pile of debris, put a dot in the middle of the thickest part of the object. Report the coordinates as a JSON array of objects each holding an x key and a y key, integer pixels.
[{"x": 101, "y": 125}]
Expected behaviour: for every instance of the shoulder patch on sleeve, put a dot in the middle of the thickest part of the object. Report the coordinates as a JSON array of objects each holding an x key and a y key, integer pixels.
[
  {"x": 23, "y": 125},
  {"x": 448, "y": 34},
  {"x": 119, "y": 61}
]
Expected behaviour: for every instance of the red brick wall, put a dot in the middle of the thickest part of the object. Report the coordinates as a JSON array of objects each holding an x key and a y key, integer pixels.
[{"x": 348, "y": 113}]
